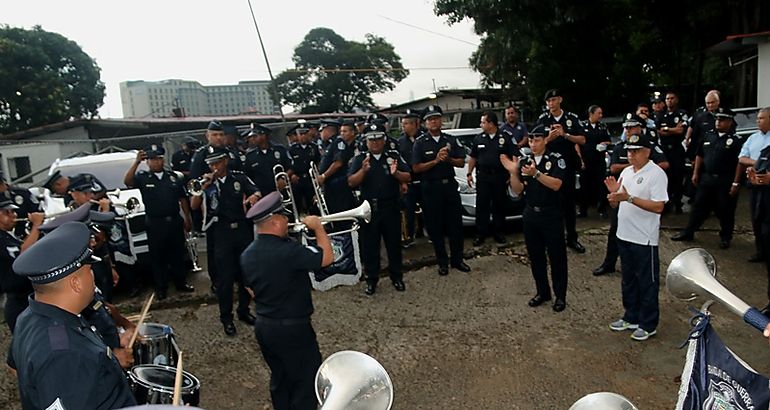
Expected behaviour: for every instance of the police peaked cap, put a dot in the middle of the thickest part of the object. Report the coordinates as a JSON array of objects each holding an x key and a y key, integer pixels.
[
  {"x": 215, "y": 154},
  {"x": 154, "y": 151},
  {"x": 270, "y": 204},
  {"x": 724, "y": 113},
  {"x": 554, "y": 92},
  {"x": 215, "y": 125},
  {"x": 432, "y": 111}
]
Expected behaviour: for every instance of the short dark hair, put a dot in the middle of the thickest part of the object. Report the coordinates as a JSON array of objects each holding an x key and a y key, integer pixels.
[
  {"x": 515, "y": 109},
  {"x": 643, "y": 105},
  {"x": 491, "y": 116},
  {"x": 592, "y": 108},
  {"x": 350, "y": 125}
]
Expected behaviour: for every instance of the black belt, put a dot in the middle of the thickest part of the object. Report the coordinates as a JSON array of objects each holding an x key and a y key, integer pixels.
[
  {"x": 438, "y": 181},
  {"x": 378, "y": 203},
  {"x": 542, "y": 208},
  {"x": 229, "y": 225},
  {"x": 163, "y": 218},
  {"x": 491, "y": 172},
  {"x": 282, "y": 322}
]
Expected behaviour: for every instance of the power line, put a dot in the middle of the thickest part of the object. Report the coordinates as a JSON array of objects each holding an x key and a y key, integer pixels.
[
  {"x": 428, "y": 31},
  {"x": 362, "y": 70}
]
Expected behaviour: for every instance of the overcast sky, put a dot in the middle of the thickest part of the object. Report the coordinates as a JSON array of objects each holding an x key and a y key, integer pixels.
[{"x": 214, "y": 42}]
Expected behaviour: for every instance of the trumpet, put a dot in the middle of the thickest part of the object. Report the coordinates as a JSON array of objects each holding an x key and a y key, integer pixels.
[
  {"x": 362, "y": 212},
  {"x": 281, "y": 175},
  {"x": 195, "y": 186}
]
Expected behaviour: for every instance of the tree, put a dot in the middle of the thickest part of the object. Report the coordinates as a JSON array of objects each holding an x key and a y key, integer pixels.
[
  {"x": 46, "y": 78},
  {"x": 603, "y": 51},
  {"x": 332, "y": 74}
]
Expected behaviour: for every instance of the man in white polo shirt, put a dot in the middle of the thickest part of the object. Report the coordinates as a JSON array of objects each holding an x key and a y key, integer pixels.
[{"x": 640, "y": 193}]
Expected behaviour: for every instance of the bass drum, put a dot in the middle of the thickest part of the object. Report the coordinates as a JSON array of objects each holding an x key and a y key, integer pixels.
[{"x": 153, "y": 384}]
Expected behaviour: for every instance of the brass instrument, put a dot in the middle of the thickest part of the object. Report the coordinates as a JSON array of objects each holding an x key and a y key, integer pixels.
[
  {"x": 318, "y": 189},
  {"x": 192, "y": 249},
  {"x": 603, "y": 400},
  {"x": 362, "y": 212},
  {"x": 353, "y": 380},
  {"x": 288, "y": 198},
  {"x": 195, "y": 186}
]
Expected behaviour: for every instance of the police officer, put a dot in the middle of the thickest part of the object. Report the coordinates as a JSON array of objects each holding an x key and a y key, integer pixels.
[
  {"x": 633, "y": 125},
  {"x": 391, "y": 144},
  {"x": 513, "y": 129},
  {"x": 16, "y": 288},
  {"x": 593, "y": 162},
  {"x": 434, "y": 156},
  {"x": 25, "y": 202},
  {"x": 163, "y": 193},
  {"x": 262, "y": 156},
  {"x": 225, "y": 191},
  {"x": 328, "y": 130},
  {"x": 379, "y": 175},
  {"x": 182, "y": 159},
  {"x": 564, "y": 132},
  {"x": 276, "y": 269},
  {"x": 672, "y": 127},
  {"x": 60, "y": 360},
  {"x": 302, "y": 155},
  {"x": 410, "y": 126},
  {"x": 334, "y": 171},
  {"x": 703, "y": 121},
  {"x": 59, "y": 185},
  {"x": 539, "y": 176},
  {"x": 491, "y": 177},
  {"x": 717, "y": 177}
]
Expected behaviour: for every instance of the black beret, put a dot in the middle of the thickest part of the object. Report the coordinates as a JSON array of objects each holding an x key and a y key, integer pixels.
[
  {"x": 84, "y": 183},
  {"x": 537, "y": 131},
  {"x": 554, "y": 92},
  {"x": 724, "y": 113},
  {"x": 633, "y": 120},
  {"x": 52, "y": 179},
  {"x": 154, "y": 151},
  {"x": 58, "y": 254},
  {"x": 412, "y": 113},
  {"x": 431, "y": 111},
  {"x": 270, "y": 204},
  {"x": 215, "y": 126},
  {"x": 214, "y": 154},
  {"x": 80, "y": 214},
  {"x": 6, "y": 201},
  {"x": 374, "y": 131}
]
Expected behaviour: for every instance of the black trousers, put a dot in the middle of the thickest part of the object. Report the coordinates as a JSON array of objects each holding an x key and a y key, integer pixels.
[
  {"x": 232, "y": 240},
  {"x": 165, "y": 238},
  {"x": 611, "y": 255},
  {"x": 756, "y": 222},
  {"x": 592, "y": 189},
  {"x": 443, "y": 218},
  {"x": 211, "y": 261},
  {"x": 292, "y": 354},
  {"x": 338, "y": 196},
  {"x": 568, "y": 201},
  {"x": 544, "y": 234},
  {"x": 15, "y": 303},
  {"x": 303, "y": 194},
  {"x": 675, "y": 172},
  {"x": 490, "y": 199},
  {"x": 640, "y": 284},
  {"x": 103, "y": 275},
  {"x": 714, "y": 194},
  {"x": 385, "y": 224},
  {"x": 412, "y": 198}
]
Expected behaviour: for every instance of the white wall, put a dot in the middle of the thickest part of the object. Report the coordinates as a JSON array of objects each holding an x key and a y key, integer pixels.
[
  {"x": 763, "y": 75},
  {"x": 41, "y": 156}
]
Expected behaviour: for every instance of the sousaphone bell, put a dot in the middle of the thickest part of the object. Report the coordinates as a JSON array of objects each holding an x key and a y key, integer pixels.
[{"x": 353, "y": 380}]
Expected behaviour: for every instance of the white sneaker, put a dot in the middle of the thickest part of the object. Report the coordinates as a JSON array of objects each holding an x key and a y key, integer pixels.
[
  {"x": 620, "y": 325},
  {"x": 641, "y": 334}
]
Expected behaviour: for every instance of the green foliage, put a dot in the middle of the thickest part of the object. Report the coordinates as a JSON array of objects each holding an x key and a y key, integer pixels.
[
  {"x": 46, "y": 78},
  {"x": 365, "y": 68},
  {"x": 611, "y": 52}
]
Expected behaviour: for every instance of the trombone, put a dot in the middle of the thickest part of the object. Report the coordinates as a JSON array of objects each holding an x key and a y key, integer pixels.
[
  {"x": 318, "y": 189},
  {"x": 288, "y": 199},
  {"x": 362, "y": 212}
]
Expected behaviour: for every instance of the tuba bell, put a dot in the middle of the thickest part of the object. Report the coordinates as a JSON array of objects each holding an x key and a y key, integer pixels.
[
  {"x": 353, "y": 380},
  {"x": 603, "y": 401}
]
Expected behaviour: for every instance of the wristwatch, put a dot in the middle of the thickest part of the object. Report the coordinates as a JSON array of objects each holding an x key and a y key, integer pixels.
[
  {"x": 630, "y": 199},
  {"x": 537, "y": 174},
  {"x": 735, "y": 184}
]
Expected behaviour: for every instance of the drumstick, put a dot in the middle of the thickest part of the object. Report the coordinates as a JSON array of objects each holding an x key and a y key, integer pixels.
[
  {"x": 141, "y": 319},
  {"x": 178, "y": 381}
]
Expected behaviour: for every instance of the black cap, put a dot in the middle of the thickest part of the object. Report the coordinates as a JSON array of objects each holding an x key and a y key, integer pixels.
[
  {"x": 724, "y": 113},
  {"x": 374, "y": 131},
  {"x": 656, "y": 99},
  {"x": 6, "y": 201},
  {"x": 215, "y": 126},
  {"x": 633, "y": 120},
  {"x": 102, "y": 219},
  {"x": 80, "y": 214},
  {"x": 52, "y": 179},
  {"x": 537, "y": 131},
  {"x": 257, "y": 129},
  {"x": 359, "y": 120},
  {"x": 412, "y": 113},
  {"x": 312, "y": 124},
  {"x": 231, "y": 131},
  {"x": 431, "y": 111},
  {"x": 554, "y": 92},
  {"x": 637, "y": 141},
  {"x": 57, "y": 255},
  {"x": 375, "y": 118},
  {"x": 270, "y": 204},
  {"x": 214, "y": 154},
  {"x": 191, "y": 142},
  {"x": 330, "y": 123},
  {"x": 84, "y": 183},
  {"x": 154, "y": 151}
]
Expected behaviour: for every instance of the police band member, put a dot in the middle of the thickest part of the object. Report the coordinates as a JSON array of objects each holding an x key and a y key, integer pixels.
[
  {"x": 164, "y": 195},
  {"x": 491, "y": 178},
  {"x": 182, "y": 159},
  {"x": 540, "y": 176},
  {"x": 303, "y": 153},
  {"x": 513, "y": 129},
  {"x": 328, "y": 130},
  {"x": 60, "y": 360},
  {"x": 750, "y": 154},
  {"x": 633, "y": 125},
  {"x": 227, "y": 192},
  {"x": 434, "y": 156},
  {"x": 261, "y": 156},
  {"x": 334, "y": 170},
  {"x": 564, "y": 132},
  {"x": 391, "y": 144},
  {"x": 640, "y": 195},
  {"x": 16, "y": 288},
  {"x": 410, "y": 126},
  {"x": 379, "y": 174},
  {"x": 25, "y": 202},
  {"x": 275, "y": 269},
  {"x": 672, "y": 127},
  {"x": 716, "y": 176},
  {"x": 593, "y": 162},
  {"x": 59, "y": 185}
]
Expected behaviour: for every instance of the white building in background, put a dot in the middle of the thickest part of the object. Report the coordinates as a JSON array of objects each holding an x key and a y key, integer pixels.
[{"x": 180, "y": 98}]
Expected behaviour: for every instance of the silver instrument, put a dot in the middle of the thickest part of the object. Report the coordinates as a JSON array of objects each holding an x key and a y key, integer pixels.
[
  {"x": 353, "y": 380},
  {"x": 319, "y": 191},
  {"x": 192, "y": 250},
  {"x": 603, "y": 401},
  {"x": 692, "y": 274},
  {"x": 195, "y": 186},
  {"x": 156, "y": 344},
  {"x": 287, "y": 193},
  {"x": 362, "y": 212},
  {"x": 154, "y": 384}
]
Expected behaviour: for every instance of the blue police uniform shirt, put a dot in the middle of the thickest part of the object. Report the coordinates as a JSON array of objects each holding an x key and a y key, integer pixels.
[
  {"x": 378, "y": 182},
  {"x": 595, "y": 134},
  {"x": 161, "y": 194},
  {"x": 754, "y": 145},
  {"x": 426, "y": 149},
  {"x": 514, "y": 132},
  {"x": 276, "y": 269},
  {"x": 571, "y": 125},
  {"x": 487, "y": 149},
  {"x": 61, "y": 360},
  {"x": 536, "y": 194},
  {"x": 671, "y": 119},
  {"x": 259, "y": 165},
  {"x": 181, "y": 161},
  {"x": 720, "y": 153},
  {"x": 405, "y": 148},
  {"x": 10, "y": 246},
  {"x": 339, "y": 150},
  {"x": 224, "y": 197},
  {"x": 302, "y": 156}
]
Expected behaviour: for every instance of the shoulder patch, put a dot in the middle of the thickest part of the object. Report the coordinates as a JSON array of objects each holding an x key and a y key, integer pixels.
[
  {"x": 58, "y": 338},
  {"x": 543, "y": 115},
  {"x": 658, "y": 149},
  {"x": 56, "y": 405},
  {"x": 236, "y": 172},
  {"x": 561, "y": 163}
]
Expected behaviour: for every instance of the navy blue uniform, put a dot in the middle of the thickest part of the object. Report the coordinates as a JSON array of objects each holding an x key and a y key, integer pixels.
[
  {"x": 592, "y": 189},
  {"x": 491, "y": 180},
  {"x": 339, "y": 196},
  {"x": 259, "y": 165},
  {"x": 198, "y": 165},
  {"x": 276, "y": 269},
  {"x": 413, "y": 196},
  {"x": 544, "y": 226},
  {"x": 181, "y": 161},
  {"x": 302, "y": 156},
  {"x": 165, "y": 229},
  {"x": 441, "y": 201},
  {"x": 515, "y": 133},
  {"x": 60, "y": 358},
  {"x": 16, "y": 288},
  {"x": 672, "y": 147},
  {"x": 27, "y": 204}
]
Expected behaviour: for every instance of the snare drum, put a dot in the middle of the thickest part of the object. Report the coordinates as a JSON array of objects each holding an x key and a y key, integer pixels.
[
  {"x": 155, "y": 344},
  {"x": 153, "y": 384}
]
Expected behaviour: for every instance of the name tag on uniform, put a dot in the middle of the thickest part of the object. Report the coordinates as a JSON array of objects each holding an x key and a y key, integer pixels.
[
  {"x": 482, "y": 146},
  {"x": 428, "y": 152},
  {"x": 706, "y": 143},
  {"x": 150, "y": 185}
]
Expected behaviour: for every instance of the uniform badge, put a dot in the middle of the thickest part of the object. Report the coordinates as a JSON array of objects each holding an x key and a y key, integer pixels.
[
  {"x": 115, "y": 233},
  {"x": 154, "y": 147},
  {"x": 501, "y": 141},
  {"x": 341, "y": 145},
  {"x": 569, "y": 123},
  {"x": 172, "y": 178},
  {"x": 389, "y": 160},
  {"x": 214, "y": 202},
  {"x": 18, "y": 199},
  {"x": 548, "y": 166},
  {"x": 237, "y": 186},
  {"x": 658, "y": 150},
  {"x": 676, "y": 119},
  {"x": 561, "y": 163},
  {"x": 639, "y": 180},
  {"x": 277, "y": 155},
  {"x": 518, "y": 127},
  {"x": 392, "y": 145},
  {"x": 729, "y": 142}
]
